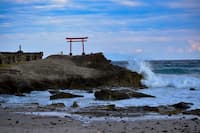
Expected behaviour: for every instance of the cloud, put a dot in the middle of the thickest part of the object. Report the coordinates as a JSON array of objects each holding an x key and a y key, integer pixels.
[
  {"x": 6, "y": 24},
  {"x": 131, "y": 3},
  {"x": 59, "y": 4},
  {"x": 195, "y": 45},
  {"x": 48, "y": 7},
  {"x": 43, "y": 4},
  {"x": 26, "y": 1},
  {"x": 191, "y": 4},
  {"x": 61, "y": 1},
  {"x": 39, "y": 1},
  {"x": 138, "y": 50}
]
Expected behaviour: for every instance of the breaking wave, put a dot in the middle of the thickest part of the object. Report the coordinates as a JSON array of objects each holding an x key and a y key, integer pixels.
[{"x": 152, "y": 79}]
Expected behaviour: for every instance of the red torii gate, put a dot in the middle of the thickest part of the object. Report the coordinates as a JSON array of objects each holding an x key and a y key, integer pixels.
[{"x": 77, "y": 39}]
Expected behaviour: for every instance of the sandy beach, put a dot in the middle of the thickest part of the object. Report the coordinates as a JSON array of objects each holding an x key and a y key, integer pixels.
[{"x": 12, "y": 122}]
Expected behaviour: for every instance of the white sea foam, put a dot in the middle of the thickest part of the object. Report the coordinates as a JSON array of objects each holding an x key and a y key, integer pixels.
[{"x": 160, "y": 80}]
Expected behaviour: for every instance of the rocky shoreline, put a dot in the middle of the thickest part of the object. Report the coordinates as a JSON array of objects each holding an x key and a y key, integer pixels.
[
  {"x": 23, "y": 119},
  {"x": 18, "y": 123},
  {"x": 61, "y": 71}
]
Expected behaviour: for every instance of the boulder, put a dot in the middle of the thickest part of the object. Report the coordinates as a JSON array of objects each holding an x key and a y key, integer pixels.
[
  {"x": 182, "y": 105},
  {"x": 75, "y": 105},
  {"x": 118, "y": 94},
  {"x": 63, "y": 95},
  {"x": 193, "y": 112}
]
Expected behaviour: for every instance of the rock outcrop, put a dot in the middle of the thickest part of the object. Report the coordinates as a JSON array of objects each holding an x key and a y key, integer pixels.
[
  {"x": 118, "y": 94},
  {"x": 62, "y": 71}
]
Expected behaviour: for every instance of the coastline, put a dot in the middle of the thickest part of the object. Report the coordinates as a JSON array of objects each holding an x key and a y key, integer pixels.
[
  {"x": 99, "y": 109},
  {"x": 10, "y": 121}
]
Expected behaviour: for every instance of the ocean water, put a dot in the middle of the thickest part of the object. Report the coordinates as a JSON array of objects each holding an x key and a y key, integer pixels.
[{"x": 169, "y": 81}]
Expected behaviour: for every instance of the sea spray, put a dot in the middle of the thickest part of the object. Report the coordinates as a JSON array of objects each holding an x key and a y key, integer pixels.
[
  {"x": 152, "y": 79},
  {"x": 144, "y": 68}
]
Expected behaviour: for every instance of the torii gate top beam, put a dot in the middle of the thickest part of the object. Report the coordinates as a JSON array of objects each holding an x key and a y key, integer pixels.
[{"x": 75, "y": 38}]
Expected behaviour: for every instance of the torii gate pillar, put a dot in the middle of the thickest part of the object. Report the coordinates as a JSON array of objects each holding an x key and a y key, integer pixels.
[{"x": 70, "y": 53}]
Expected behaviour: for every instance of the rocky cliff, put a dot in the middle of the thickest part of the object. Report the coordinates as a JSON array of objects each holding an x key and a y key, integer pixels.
[{"x": 62, "y": 71}]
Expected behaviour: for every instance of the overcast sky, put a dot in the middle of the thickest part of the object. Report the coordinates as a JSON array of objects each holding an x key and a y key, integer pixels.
[{"x": 122, "y": 29}]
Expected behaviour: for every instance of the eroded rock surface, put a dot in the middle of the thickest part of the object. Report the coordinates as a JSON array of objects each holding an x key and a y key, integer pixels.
[{"x": 62, "y": 71}]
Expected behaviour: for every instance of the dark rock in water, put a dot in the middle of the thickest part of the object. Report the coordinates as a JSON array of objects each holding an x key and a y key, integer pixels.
[
  {"x": 90, "y": 91},
  {"x": 54, "y": 92},
  {"x": 118, "y": 94},
  {"x": 20, "y": 95},
  {"x": 56, "y": 105},
  {"x": 192, "y": 89},
  {"x": 193, "y": 112},
  {"x": 194, "y": 119},
  {"x": 63, "y": 95},
  {"x": 52, "y": 123},
  {"x": 182, "y": 105},
  {"x": 75, "y": 105},
  {"x": 151, "y": 109},
  {"x": 140, "y": 95},
  {"x": 111, "y": 107}
]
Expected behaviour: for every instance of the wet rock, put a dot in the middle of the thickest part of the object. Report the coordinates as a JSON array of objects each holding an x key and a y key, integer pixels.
[
  {"x": 182, "y": 105},
  {"x": 111, "y": 107},
  {"x": 90, "y": 91},
  {"x": 35, "y": 104},
  {"x": 193, "y": 112},
  {"x": 194, "y": 119},
  {"x": 168, "y": 110},
  {"x": 20, "y": 95},
  {"x": 75, "y": 105},
  {"x": 52, "y": 123},
  {"x": 118, "y": 94},
  {"x": 151, "y": 109},
  {"x": 64, "y": 95},
  {"x": 54, "y": 92},
  {"x": 56, "y": 105}
]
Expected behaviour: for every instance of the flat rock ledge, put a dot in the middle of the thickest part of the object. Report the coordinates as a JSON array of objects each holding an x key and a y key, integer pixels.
[
  {"x": 62, "y": 95},
  {"x": 119, "y": 94},
  {"x": 133, "y": 111}
]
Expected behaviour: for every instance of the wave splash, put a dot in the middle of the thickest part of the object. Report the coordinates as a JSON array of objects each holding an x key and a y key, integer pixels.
[{"x": 152, "y": 79}]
